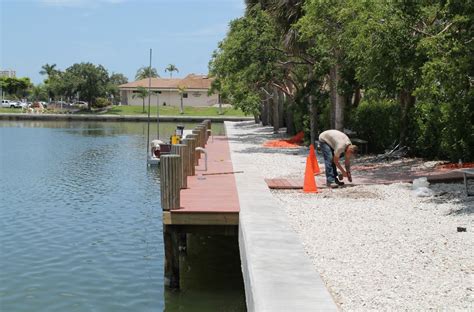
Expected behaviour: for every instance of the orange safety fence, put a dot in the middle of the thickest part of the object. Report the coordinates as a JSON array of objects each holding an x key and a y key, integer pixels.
[
  {"x": 456, "y": 165},
  {"x": 293, "y": 142}
]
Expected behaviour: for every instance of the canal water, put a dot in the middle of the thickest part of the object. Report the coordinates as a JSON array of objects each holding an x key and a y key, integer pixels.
[{"x": 81, "y": 228}]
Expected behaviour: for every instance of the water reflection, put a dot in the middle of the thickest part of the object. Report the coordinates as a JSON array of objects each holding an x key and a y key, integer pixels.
[{"x": 211, "y": 277}]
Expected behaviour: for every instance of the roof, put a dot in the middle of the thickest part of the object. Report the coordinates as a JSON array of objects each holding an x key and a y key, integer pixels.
[{"x": 191, "y": 81}]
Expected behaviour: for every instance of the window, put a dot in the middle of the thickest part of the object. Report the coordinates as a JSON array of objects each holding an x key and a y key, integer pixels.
[{"x": 185, "y": 95}]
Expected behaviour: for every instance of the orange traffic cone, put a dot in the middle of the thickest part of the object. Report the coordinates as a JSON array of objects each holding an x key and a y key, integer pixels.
[
  {"x": 314, "y": 160},
  {"x": 309, "y": 182}
]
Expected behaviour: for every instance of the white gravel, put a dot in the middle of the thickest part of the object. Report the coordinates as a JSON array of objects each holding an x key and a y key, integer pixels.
[{"x": 377, "y": 247}]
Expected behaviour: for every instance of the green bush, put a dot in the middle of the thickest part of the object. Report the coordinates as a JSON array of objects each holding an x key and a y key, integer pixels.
[
  {"x": 377, "y": 121},
  {"x": 101, "y": 102}
]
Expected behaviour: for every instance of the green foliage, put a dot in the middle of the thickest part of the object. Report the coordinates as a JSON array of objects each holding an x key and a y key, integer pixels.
[
  {"x": 373, "y": 120},
  {"x": 101, "y": 103},
  {"x": 244, "y": 63},
  {"x": 171, "y": 68},
  {"x": 39, "y": 93},
  {"x": 146, "y": 72},
  {"x": 16, "y": 87},
  {"x": 86, "y": 79},
  {"x": 141, "y": 93},
  {"x": 115, "y": 80}
]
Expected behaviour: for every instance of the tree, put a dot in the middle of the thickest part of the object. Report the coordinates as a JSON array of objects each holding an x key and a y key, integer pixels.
[
  {"x": 244, "y": 63},
  {"x": 87, "y": 79},
  {"x": 16, "y": 87},
  {"x": 48, "y": 70},
  {"x": 181, "y": 90},
  {"x": 146, "y": 72},
  {"x": 39, "y": 93},
  {"x": 171, "y": 68},
  {"x": 115, "y": 80},
  {"x": 141, "y": 93}
]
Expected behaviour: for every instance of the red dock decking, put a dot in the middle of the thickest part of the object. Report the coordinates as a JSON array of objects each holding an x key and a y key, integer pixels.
[{"x": 211, "y": 197}]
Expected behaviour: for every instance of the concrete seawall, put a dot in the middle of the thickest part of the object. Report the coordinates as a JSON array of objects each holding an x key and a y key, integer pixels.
[
  {"x": 278, "y": 274},
  {"x": 132, "y": 118}
]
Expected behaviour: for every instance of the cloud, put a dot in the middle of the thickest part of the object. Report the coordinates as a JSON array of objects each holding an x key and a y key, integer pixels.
[{"x": 79, "y": 3}]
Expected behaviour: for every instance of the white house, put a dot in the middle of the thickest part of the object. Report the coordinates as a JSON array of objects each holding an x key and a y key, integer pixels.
[{"x": 194, "y": 88}]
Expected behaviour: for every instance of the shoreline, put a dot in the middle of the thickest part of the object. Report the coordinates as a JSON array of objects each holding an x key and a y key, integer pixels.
[{"x": 115, "y": 118}]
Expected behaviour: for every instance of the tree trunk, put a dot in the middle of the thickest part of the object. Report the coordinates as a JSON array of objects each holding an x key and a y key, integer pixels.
[
  {"x": 281, "y": 108},
  {"x": 276, "y": 110},
  {"x": 270, "y": 110},
  {"x": 265, "y": 113},
  {"x": 357, "y": 97},
  {"x": 313, "y": 119},
  {"x": 407, "y": 101},
  {"x": 290, "y": 122},
  {"x": 181, "y": 107},
  {"x": 143, "y": 105},
  {"x": 337, "y": 99}
]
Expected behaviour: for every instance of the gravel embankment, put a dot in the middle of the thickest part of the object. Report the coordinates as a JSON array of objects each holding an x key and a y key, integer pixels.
[{"x": 377, "y": 247}]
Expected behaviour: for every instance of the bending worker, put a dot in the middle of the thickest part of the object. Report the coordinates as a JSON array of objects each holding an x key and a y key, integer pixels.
[{"x": 334, "y": 145}]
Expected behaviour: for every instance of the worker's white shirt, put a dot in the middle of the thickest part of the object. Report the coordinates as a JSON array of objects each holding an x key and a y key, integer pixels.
[{"x": 336, "y": 139}]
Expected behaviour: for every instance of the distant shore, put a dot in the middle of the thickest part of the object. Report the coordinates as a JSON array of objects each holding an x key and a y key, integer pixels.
[{"x": 115, "y": 118}]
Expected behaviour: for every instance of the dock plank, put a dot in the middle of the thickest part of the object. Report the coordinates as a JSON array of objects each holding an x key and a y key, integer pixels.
[{"x": 211, "y": 196}]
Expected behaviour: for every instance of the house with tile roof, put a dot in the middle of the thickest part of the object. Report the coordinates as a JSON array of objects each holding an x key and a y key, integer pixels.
[{"x": 166, "y": 91}]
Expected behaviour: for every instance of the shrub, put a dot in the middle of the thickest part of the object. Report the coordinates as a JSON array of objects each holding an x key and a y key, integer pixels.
[
  {"x": 101, "y": 102},
  {"x": 377, "y": 121}
]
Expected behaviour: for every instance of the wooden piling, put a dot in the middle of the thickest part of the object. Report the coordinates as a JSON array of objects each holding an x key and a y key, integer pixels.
[
  {"x": 202, "y": 134},
  {"x": 191, "y": 143},
  {"x": 170, "y": 181},
  {"x": 203, "y": 128},
  {"x": 171, "y": 241},
  {"x": 195, "y": 138},
  {"x": 198, "y": 144},
  {"x": 182, "y": 151}
]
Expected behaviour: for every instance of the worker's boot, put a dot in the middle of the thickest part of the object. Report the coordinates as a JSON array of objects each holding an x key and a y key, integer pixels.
[{"x": 332, "y": 185}]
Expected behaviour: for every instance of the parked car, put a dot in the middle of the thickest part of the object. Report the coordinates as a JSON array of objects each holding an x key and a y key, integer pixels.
[
  {"x": 12, "y": 104},
  {"x": 21, "y": 105},
  {"x": 8, "y": 103}
]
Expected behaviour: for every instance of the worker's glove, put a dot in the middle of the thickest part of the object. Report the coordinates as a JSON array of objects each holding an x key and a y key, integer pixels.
[{"x": 340, "y": 176}]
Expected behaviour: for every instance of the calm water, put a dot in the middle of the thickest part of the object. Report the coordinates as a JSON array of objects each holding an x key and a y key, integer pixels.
[{"x": 80, "y": 225}]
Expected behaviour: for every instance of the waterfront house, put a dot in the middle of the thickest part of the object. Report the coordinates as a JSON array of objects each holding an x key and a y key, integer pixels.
[{"x": 194, "y": 89}]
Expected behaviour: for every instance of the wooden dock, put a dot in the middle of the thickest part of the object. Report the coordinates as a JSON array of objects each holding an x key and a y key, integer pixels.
[
  {"x": 206, "y": 203},
  {"x": 211, "y": 197}
]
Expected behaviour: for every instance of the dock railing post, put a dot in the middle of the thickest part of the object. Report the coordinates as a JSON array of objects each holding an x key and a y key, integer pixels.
[
  {"x": 191, "y": 143},
  {"x": 202, "y": 133},
  {"x": 170, "y": 181},
  {"x": 195, "y": 138},
  {"x": 198, "y": 142},
  {"x": 181, "y": 150}
]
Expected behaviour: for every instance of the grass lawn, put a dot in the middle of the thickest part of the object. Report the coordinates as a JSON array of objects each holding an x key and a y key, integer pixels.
[
  {"x": 164, "y": 111},
  {"x": 10, "y": 110},
  {"x": 174, "y": 111}
]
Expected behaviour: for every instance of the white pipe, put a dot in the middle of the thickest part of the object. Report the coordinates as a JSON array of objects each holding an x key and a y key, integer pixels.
[{"x": 203, "y": 150}]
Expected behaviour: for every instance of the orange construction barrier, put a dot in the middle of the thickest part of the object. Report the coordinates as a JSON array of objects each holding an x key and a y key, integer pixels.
[
  {"x": 314, "y": 160},
  {"x": 309, "y": 182}
]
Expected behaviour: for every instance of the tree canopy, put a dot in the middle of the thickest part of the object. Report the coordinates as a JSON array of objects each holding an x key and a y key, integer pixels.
[
  {"x": 336, "y": 61},
  {"x": 146, "y": 72}
]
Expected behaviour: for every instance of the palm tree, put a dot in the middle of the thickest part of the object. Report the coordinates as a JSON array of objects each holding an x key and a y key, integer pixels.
[
  {"x": 146, "y": 72},
  {"x": 50, "y": 81},
  {"x": 181, "y": 90},
  {"x": 171, "y": 68},
  {"x": 141, "y": 93},
  {"x": 48, "y": 70}
]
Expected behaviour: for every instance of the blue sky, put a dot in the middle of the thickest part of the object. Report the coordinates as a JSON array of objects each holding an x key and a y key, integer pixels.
[{"x": 115, "y": 33}]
